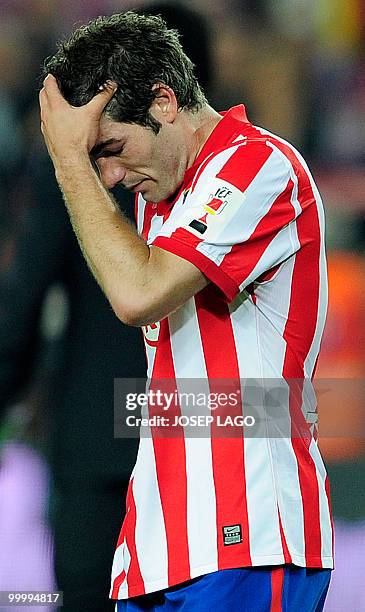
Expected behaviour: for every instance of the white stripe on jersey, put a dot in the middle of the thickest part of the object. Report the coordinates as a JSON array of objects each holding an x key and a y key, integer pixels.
[
  {"x": 265, "y": 326},
  {"x": 289, "y": 496},
  {"x": 243, "y": 318},
  {"x": 201, "y": 501},
  {"x": 268, "y": 324},
  {"x": 122, "y": 559},
  {"x": 141, "y": 206},
  {"x": 150, "y": 354},
  {"x": 156, "y": 225},
  {"x": 282, "y": 246},
  {"x": 294, "y": 199},
  {"x": 148, "y": 506},
  {"x": 323, "y": 291},
  {"x": 261, "y": 502},
  {"x": 272, "y": 307},
  {"x": 183, "y": 324}
]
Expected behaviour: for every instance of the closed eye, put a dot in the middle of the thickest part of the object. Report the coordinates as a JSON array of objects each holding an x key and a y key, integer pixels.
[{"x": 108, "y": 153}]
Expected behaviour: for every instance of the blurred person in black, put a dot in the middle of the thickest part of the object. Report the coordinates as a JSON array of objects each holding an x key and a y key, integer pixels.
[{"x": 90, "y": 468}]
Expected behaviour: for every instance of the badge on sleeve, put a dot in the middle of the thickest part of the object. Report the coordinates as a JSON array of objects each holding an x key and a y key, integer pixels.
[{"x": 222, "y": 201}]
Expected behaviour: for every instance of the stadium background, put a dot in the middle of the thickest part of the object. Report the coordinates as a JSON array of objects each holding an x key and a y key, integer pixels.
[{"x": 299, "y": 66}]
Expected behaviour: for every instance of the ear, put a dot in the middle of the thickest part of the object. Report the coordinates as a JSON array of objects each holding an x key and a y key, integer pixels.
[{"x": 164, "y": 107}]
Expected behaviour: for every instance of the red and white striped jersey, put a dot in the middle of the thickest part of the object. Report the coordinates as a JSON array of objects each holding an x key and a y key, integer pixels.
[{"x": 250, "y": 217}]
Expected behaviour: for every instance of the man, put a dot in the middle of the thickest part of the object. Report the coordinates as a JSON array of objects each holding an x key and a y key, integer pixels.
[{"x": 228, "y": 279}]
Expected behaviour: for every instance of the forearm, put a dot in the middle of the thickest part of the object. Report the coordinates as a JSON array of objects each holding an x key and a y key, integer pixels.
[
  {"x": 143, "y": 284},
  {"x": 115, "y": 253}
]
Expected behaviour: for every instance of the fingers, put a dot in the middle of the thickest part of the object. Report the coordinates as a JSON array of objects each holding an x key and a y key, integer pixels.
[
  {"x": 106, "y": 92},
  {"x": 50, "y": 96},
  {"x": 51, "y": 89},
  {"x": 43, "y": 105},
  {"x": 42, "y": 98}
]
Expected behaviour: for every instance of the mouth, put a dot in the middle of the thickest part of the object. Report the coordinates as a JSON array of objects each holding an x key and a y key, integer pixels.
[{"x": 136, "y": 187}]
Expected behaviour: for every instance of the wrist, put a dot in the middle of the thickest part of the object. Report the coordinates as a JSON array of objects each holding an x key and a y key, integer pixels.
[{"x": 74, "y": 165}]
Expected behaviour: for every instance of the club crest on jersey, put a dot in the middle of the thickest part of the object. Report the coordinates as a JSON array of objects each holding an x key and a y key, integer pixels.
[
  {"x": 151, "y": 333},
  {"x": 215, "y": 205}
]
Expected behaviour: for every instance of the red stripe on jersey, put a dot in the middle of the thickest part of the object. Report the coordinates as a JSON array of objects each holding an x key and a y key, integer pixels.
[
  {"x": 186, "y": 237},
  {"x": 287, "y": 555},
  {"x": 269, "y": 275},
  {"x": 245, "y": 163},
  {"x": 303, "y": 311},
  {"x": 149, "y": 213},
  {"x": 134, "y": 576},
  {"x": 298, "y": 334},
  {"x": 243, "y": 258},
  {"x": 170, "y": 458},
  {"x": 310, "y": 496},
  {"x": 307, "y": 475},
  {"x": 205, "y": 265},
  {"x": 277, "y": 583},
  {"x": 305, "y": 188},
  {"x": 116, "y": 584},
  {"x": 229, "y": 483}
]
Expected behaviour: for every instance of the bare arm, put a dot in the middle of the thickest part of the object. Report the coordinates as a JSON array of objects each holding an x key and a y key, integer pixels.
[{"x": 143, "y": 284}]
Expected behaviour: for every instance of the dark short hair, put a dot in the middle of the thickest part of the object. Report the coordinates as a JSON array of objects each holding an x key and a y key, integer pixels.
[{"x": 136, "y": 51}]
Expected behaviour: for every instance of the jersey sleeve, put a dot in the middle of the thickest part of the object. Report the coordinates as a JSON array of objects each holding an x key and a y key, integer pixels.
[{"x": 238, "y": 219}]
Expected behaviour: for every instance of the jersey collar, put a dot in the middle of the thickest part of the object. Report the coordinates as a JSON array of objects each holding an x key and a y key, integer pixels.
[{"x": 232, "y": 123}]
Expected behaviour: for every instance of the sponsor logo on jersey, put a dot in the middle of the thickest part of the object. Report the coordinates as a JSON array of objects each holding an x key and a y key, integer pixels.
[{"x": 232, "y": 534}]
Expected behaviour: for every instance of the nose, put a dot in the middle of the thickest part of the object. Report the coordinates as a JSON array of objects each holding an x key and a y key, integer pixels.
[{"x": 111, "y": 171}]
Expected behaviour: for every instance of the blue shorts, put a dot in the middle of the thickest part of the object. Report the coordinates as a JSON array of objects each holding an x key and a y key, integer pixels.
[{"x": 257, "y": 589}]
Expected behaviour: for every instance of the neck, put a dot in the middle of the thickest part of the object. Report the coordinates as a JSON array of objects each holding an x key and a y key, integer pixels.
[{"x": 201, "y": 125}]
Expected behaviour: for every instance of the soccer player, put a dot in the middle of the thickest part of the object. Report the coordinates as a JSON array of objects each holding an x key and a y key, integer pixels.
[{"x": 227, "y": 277}]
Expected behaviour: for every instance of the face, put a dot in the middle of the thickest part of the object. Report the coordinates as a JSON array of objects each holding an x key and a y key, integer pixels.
[{"x": 137, "y": 158}]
